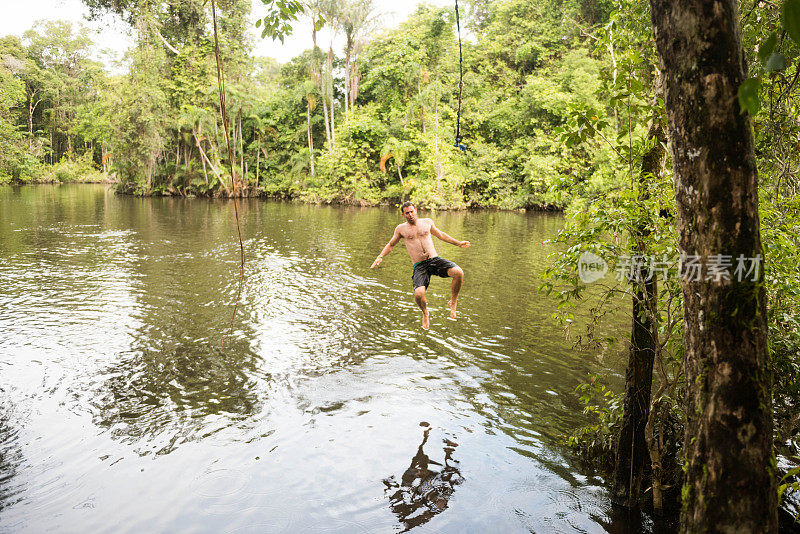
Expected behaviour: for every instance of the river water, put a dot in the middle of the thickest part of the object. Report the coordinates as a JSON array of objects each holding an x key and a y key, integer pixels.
[{"x": 327, "y": 410}]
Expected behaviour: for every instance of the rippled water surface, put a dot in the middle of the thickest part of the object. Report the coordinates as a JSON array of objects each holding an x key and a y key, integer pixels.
[{"x": 328, "y": 410}]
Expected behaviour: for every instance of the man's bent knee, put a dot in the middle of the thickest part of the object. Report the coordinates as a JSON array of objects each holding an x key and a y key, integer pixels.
[
  {"x": 419, "y": 292},
  {"x": 455, "y": 272}
]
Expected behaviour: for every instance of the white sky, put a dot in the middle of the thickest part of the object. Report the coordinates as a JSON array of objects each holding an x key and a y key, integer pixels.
[{"x": 112, "y": 35}]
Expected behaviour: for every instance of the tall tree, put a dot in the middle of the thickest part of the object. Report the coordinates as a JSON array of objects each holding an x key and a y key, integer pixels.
[
  {"x": 358, "y": 18},
  {"x": 632, "y": 452},
  {"x": 730, "y": 478},
  {"x": 140, "y": 122},
  {"x": 332, "y": 11},
  {"x": 59, "y": 71},
  {"x": 314, "y": 9}
]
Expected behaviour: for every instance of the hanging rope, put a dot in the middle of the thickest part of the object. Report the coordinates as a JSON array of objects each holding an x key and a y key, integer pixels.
[
  {"x": 223, "y": 111},
  {"x": 457, "y": 142}
]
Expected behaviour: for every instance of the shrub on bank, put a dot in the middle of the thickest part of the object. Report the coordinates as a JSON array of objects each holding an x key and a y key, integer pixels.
[{"x": 74, "y": 169}]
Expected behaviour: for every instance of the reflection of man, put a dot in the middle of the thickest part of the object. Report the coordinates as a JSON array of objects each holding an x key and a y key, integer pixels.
[
  {"x": 417, "y": 235},
  {"x": 423, "y": 492}
]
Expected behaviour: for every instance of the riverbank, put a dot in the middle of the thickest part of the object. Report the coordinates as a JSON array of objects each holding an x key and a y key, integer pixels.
[
  {"x": 326, "y": 196},
  {"x": 77, "y": 170}
]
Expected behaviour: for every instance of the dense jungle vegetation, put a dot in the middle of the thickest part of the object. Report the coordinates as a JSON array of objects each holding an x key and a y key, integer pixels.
[
  {"x": 372, "y": 122},
  {"x": 562, "y": 108}
]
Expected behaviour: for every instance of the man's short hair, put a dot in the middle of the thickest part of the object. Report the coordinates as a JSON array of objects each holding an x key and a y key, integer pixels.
[{"x": 407, "y": 204}]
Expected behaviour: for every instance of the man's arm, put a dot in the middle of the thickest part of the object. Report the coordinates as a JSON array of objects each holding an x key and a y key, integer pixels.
[
  {"x": 446, "y": 238},
  {"x": 388, "y": 248}
]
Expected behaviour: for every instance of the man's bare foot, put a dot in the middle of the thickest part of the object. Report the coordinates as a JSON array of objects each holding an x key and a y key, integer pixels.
[
  {"x": 426, "y": 320},
  {"x": 452, "y": 304}
]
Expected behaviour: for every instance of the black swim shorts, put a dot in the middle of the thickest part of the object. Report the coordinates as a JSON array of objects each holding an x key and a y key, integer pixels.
[{"x": 425, "y": 268}]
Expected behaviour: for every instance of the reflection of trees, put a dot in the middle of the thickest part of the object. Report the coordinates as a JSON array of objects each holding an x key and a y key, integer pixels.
[
  {"x": 424, "y": 492},
  {"x": 11, "y": 459},
  {"x": 169, "y": 392},
  {"x": 174, "y": 377}
]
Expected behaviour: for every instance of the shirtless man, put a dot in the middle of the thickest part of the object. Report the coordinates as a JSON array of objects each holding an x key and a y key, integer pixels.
[{"x": 417, "y": 235}]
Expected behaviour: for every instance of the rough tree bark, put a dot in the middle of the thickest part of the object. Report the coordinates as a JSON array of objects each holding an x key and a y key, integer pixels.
[
  {"x": 730, "y": 481},
  {"x": 632, "y": 451}
]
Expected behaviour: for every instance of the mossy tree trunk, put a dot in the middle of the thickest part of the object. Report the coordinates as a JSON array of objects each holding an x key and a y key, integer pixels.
[{"x": 730, "y": 479}]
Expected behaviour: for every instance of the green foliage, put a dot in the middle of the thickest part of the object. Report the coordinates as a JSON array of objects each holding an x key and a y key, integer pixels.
[
  {"x": 791, "y": 19},
  {"x": 280, "y": 14},
  {"x": 49, "y": 105},
  {"x": 75, "y": 169},
  {"x": 781, "y": 227},
  {"x": 773, "y": 51},
  {"x": 155, "y": 128},
  {"x": 748, "y": 95},
  {"x": 600, "y": 137},
  {"x": 789, "y": 484},
  {"x": 595, "y": 442}
]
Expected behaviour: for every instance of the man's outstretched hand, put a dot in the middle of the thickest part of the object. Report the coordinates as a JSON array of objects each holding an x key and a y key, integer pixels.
[
  {"x": 464, "y": 244},
  {"x": 375, "y": 263}
]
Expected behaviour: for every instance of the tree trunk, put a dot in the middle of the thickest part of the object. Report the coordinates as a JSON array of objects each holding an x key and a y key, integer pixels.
[
  {"x": 422, "y": 107},
  {"x": 355, "y": 81},
  {"x": 202, "y": 158},
  {"x": 330, "y": 68},
  {"x": 317, "y": 69},
  {"x": 327, "y": 124},
  {"x": 241, "y": 148},
  {"x": 177, "y": 161},
  {"x": 730, "y": 476},
  {"x": 400, "y": 174},
  {"x": 211, "y": 165},
  {"x": 333, "y": 128},
  {"x": 31, "y": 109},
  {"x": 632, "y": 451},
  {"x": 613, "y": 74},
  {"x": 347, "y": 80},
  {"x": 310, "y": 137},
  {"x": 656, "y": 449}
]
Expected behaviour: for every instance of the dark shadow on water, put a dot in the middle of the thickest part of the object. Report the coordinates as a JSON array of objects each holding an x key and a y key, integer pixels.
[
  {"x": 623, "y": 521},
  {"x": 424, "y": 491}
]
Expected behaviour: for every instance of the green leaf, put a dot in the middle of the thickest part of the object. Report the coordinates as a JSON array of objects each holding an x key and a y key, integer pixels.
[
  {"x": 748, "y": 95},
  {"x": 258, "y": 23},
  {"x": 767, "y": 47},
  {"x": 791, "y": 19},
  {"x": 777, "y": 61},
  {"x": 320, "y": 23}
]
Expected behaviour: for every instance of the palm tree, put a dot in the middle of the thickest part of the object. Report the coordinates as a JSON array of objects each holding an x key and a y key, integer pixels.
[
  {"x": 315, "y": 10},
  {"x": 332, "y": 11},
  {"x": 358, "y": 18}
]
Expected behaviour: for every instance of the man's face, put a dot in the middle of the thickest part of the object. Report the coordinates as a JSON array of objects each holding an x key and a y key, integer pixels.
[{"x": 410, "y": 213}]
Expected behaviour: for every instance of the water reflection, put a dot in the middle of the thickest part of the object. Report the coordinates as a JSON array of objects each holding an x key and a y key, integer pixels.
[
  {"x": 11, "y": 458},
  {"x": 424, "y": 491},
  {"x": 167, "y": 397}
]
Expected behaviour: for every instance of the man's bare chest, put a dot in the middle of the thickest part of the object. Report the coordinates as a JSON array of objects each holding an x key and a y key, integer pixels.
[{"x": 417, "y": 232}]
